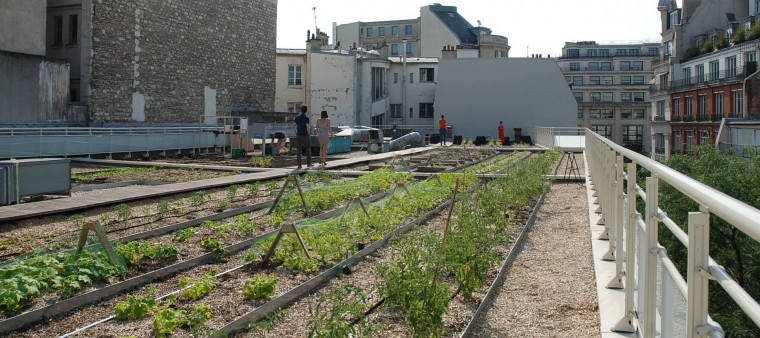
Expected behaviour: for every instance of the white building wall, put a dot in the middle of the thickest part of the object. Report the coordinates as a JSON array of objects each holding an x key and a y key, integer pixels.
[
  {"x": 332, "y": 86},
  {"x": 434, "y": 34},
  {"x": 475, "y": 94},
  {"x": 367, "y": 107},
  {"x": 287, "y": 94},
  {"x": 347, "y": 35},
  {"x": 417, "y": 92}
]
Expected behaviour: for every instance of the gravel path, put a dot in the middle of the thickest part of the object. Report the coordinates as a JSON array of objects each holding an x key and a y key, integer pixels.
[{"x": 549, "y": 291}]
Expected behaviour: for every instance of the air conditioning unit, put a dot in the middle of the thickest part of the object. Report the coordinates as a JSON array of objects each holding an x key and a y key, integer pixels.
[
  {"x": 375, "y": 143},
  {"x": 34, "y": 177}
]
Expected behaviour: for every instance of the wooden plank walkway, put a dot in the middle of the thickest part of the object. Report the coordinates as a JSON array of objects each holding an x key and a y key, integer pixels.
[{"x": 79, "y": 202}]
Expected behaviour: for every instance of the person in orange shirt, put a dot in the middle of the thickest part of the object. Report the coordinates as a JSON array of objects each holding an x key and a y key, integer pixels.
[
  {"x": 442, "y": 130},
  {"x": 501, "y": 132}
]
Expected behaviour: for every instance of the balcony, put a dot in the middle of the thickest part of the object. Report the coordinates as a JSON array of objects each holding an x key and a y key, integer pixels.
[
  {"x": 709, "y": 79},
  {"x": 658, "y": 118}
]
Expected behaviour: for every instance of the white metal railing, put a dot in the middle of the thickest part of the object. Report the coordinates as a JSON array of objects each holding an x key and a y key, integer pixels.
[
  {"x": 564, "y": 137},
  {"x": 659, "y": 301},
  {"x": 40, "y": 142}
]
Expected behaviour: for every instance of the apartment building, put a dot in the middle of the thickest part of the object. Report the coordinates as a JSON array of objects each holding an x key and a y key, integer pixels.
[
  {"x": 425, "y": 36},
  {"x": 610, "y": 83},
  {"x": 705, "y": 76}
]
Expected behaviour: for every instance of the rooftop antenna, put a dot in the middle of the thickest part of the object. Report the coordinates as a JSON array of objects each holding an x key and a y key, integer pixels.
[
  {"x": 315, "y": 17},
  {"x": 478, "y": 23}
]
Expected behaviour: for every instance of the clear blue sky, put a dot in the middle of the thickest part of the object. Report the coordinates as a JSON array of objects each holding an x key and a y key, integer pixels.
[{"x": 532, "y": 26}]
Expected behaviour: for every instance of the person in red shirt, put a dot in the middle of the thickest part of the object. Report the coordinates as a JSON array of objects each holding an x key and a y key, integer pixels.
[
  {"x": 501, "y": 132},
  {"x": 442, "y": 130}
]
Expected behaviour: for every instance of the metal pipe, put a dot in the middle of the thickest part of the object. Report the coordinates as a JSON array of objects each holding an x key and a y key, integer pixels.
[{"x": 413, "y": 139}]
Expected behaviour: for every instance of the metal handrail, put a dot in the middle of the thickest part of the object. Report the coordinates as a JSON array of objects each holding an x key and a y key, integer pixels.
[{"x": 605, "y": 163}]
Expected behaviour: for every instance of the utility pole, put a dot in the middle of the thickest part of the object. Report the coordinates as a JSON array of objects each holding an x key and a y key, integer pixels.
[{"x": 403, "y": 83}]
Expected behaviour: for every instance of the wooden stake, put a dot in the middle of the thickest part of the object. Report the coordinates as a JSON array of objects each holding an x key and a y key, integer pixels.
[
  {"x": 100, "y": 232},
  {"x": 294, "y": 179},
  {"x": 445, "y": 235},
  {"x": 284, "y": 229}
]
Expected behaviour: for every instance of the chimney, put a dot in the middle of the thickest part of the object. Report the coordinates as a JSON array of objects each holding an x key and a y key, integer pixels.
[{"x": 448, "y": 52}]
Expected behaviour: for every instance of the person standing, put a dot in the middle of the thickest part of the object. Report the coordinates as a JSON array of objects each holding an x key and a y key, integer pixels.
[
  {"x": 302, "y": 128},
  {"x": 442, "y": 130},
  {"x": 324, "y": 133},
  {"x": 501, "y": 132}
]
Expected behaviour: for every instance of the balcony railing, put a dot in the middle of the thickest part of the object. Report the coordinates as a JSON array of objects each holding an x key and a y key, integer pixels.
[
  {"x": 659, "y": 300},
  {"x": 710, "y": 79},
  {"x": 658, "y": 118}
]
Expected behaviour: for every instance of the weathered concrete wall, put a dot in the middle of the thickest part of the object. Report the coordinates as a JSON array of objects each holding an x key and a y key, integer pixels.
[
  {"x": 155, "y": 61},
  {"x": 22, "y": 26},
  {"x": 332, "y": 87},
  {"x": 32, "y": 90}
]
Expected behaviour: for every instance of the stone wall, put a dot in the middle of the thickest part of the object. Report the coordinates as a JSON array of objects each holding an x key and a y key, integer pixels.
[{"x": 157, "y": 61}]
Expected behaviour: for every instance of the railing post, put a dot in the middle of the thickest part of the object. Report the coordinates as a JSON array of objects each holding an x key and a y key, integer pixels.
[
  {"x": 697, "y": 274},
  {"x": 618, "y": 220},
  {"x": 626, "y": 323},
  {"x": 649, "y": 284}
]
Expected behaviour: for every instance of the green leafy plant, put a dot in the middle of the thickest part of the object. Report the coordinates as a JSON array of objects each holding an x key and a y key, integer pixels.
[
  {"x": 193, "y": 289},
  {"x": 252, "y": 190},
  {"x": 260, "y": 287},
  {"x": 123, "y": 212},
  {"x": 739, "y": 35},
  {"x": 210, "y": 244},
  {"x": 184, "y": 235},
  {"x": 199, "y": 198},
  {"x": 162, "y": 209},
  {"x": 223, "y": 205},
  {"x": 109, "y": 173},
  {"x": 262, "y": 162},
  {"x": 232, "y": 192},
  {"x": 271, "y": 187},
  {"x": 135, "y": 252},
  {"x": 137, "y": 307},
  {"x": 334, "y": 311},
  {"x": 169, "y": 319}
]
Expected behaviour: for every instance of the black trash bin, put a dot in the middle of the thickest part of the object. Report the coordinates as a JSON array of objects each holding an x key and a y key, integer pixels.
[
  {"x": 435, "y": 138},
  {"x": 457, "y": 140}
]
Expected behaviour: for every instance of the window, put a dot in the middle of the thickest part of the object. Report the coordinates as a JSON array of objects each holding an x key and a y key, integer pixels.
[
  {"x": 661, "y": 109},
  {"x": 625, "y": 80},
  {"x": 639, "y": 113},
  {"x": 411, "y": 77},
  {"x": 577, "y": 80},
  {"x": 593, "y": 66},
  {"x": 689, "y": 105},
  {"x": 633, "y": 52},
  {"x": 608, "y": 113},
  {"x": 738, "y": 105},
  {"x": 604, "y": 52},
  {"x": 714, "y": 70},
  {"x": 73, "y": 29},
  {"x": 394, "y": 49},
  {"x": 620, "y": 52},
  {"x": 704, "y": 137},
  {"x": 677, "y": 141},
  {"x": 687, "y": 75},
  {"x": 58, "y": 30},
  {"x": 674, "y": 18},
  {"x": 718, "y": 101},
  {"x": 607, "y": 80},
  {"x": 638, "y": 80},
  {"x": 578, "y": 96},
  {"x": 294, "y": 107},
  {"x": 573, "y": 53},
  {"x": 381, "y": 31},
  {"x": 605, "y": 131},
  {"x": 395, "y": 77},
  {"x": 594, "y": 80},
  {"x": 426, "y": 110},
  {"x": 575, "y": 66},
  {"x": 378, "y": 83},
  {"x": 750, "y": 57},
  {"x": 427, "y": 74},
  {"x": 294, "y": 75},
  {"x": 654, "y": 51},
  {"x": 408, "y": 30},
  {"x": 731, "y": 66},
  {"x": 677, "y": 107},
  {"x": 596, "y": 97},
  {"x": 568, "y": 79},
  {"x": 689, "y": 141},
  {"x": 591, "y": 53},
  {"x": 626, "y": 113},
  {"x": 606, "y": 65},
  {"x": 370, "y": 32},
  {"x": 394, "y": 30},
  {"x": 638, "y": 96},
  {"x": 633, "y": 135},
  {"x": 626, "y": 97},
  {"x": 408, "y": 49},
  {"x": 595, "y": 114},
  {"x": 703, "y": 106},
  {"x": 73, "y": 94},
  {"x": 396, "y": 111},
  {"x": 607, "y": 97},
  {"x": 669, "y": 47},
  {"x": 370, "y": 47},
  {"x": 580, "y": 113},
  {"x": 638, "y": 65},
  {"x": 625, "y": 65},
  {"x": 699, "y": 71}
]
